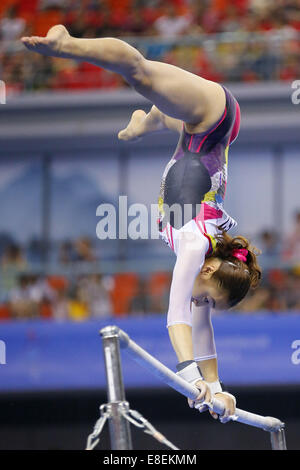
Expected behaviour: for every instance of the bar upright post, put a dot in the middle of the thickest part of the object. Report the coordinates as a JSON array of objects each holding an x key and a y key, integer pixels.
[
  {"x": 278, "y": 440},
  {"x": 119, "y": 428}
]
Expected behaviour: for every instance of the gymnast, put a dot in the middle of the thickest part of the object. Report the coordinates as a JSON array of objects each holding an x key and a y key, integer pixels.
[{"x": 212, "y": 269}]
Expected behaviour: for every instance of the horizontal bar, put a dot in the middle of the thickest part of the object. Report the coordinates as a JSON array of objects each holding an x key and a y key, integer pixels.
[{"x": 169, "y": 377}]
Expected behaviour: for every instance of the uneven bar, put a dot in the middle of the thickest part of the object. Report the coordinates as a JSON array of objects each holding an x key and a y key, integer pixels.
[{"x": 169, "y": 377}]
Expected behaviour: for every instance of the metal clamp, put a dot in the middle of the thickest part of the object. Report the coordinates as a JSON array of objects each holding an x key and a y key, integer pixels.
[
  {"x": 93, "y": 439},
  {"x": 133, "y": 417},
  {"x": 139, "y": 421}
]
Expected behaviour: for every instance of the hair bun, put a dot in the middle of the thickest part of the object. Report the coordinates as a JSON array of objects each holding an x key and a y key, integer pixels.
[{"x": 228, "y": 247}]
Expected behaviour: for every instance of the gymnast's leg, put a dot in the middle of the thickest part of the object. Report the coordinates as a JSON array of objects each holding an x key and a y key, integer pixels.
[{"x": 176, "y": 92}]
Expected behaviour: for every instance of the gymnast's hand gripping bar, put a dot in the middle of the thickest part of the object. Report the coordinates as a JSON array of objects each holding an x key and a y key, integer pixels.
[{"x": 190, "y": 391}]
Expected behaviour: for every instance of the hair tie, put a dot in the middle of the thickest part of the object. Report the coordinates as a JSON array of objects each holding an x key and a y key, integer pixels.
[{"x": 240, "y": 253}]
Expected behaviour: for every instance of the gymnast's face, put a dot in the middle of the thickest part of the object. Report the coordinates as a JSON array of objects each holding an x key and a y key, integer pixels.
[{"x": 206, "y": 289}]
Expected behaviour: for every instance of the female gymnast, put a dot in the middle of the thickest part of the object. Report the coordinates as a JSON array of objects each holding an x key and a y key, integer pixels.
[{"x": 212, "y": 270}]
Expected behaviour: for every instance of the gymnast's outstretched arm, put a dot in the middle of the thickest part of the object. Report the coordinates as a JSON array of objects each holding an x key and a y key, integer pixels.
[
  {"x": 190, "y": 329},
  {"x": 204, "y": 351},
  {"x": 190, "y": 259},
  {"x": 182, "y": 95}
]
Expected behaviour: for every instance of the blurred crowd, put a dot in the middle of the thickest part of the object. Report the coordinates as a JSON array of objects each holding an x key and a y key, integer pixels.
[
  {"x": 84, "y": 297},
  {"x": 265, "y": 45},
  {"x": 74, "y": 293},
  {"x": 78, "y": 296},
  {"x": 273, "y": 54}
]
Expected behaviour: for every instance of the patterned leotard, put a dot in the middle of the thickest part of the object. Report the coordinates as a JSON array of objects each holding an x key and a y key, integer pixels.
[{"x": 196, "y": 176}]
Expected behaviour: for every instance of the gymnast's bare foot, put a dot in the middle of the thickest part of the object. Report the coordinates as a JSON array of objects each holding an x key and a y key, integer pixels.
[
  {"x": 134, "y": 129},
  {"x": 51, "y": 45}
]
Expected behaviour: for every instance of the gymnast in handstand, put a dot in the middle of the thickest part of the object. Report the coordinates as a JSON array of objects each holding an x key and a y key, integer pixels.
[{"x": 212, "y": 269}]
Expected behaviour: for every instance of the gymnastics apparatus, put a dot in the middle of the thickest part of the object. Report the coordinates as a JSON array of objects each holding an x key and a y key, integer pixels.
[{"x": 117, "y": 410}]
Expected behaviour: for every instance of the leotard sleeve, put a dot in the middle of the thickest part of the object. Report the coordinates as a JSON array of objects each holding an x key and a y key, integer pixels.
[
  {"x": 191, "y": 253},
  {"x": 203, "y": 334}
]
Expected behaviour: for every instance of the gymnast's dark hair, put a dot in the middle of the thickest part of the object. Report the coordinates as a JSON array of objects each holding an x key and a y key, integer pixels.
[{"x": 236, "y": 277}]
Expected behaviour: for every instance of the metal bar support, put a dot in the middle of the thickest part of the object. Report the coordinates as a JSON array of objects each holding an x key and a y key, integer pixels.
[
  {"x": 119, "y": 428},
  {"x": 166, "y": 375}
]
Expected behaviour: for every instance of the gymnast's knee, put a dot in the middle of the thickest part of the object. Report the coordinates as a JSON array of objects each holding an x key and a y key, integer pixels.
[{"x": 138, "y": 76}]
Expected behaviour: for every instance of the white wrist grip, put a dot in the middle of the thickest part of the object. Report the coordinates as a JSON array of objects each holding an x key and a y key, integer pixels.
[
  {"x": 215, "y": 387},
  {"x": 190, "y": 373}
]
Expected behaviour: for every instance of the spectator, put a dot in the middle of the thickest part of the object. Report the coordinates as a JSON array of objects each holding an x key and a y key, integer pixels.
[
  {"x": 269, "y": 243},
  {"x": 170, "y": 24},
  {"x": 39, "y": 290},
  {"x": 95, "y": 291},
  {"x": 5, "y": 313},
  {"x": 260, "y": 5},
  {"x": 13, "y": 71},
  {"x": 84, "y": 250},
  {"x": 12, "y": 262},
  {"x": 292, "y": 251},
  {"x": 11, "y": 27},
  {"x": 38, "y": 73},
  {"x": 20, "y": 301},
  {"x": 13, "y": 257},
  {"x": 255, "y": 301},
  {"x": 59, "y": 285},
  {"x": 60, "y": 307},
  {"x": 77, "y": 23},
  {"x": 293, "y": 291},
  {"x": 77, "y": 306},
  {"x": 232, "y": 21},
  {"x": 66, "y": 253},
  {"x": 135, "y": 24},
  {"x": 159, "y": 290},
  {"x": 141, "y": 301}
]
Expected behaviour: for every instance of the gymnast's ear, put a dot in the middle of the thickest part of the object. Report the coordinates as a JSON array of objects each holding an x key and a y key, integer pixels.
[{"x": 210, "y": 266}]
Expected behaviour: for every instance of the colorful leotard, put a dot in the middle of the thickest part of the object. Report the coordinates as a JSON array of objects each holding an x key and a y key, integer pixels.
[{"x": 196, "y": 177}]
